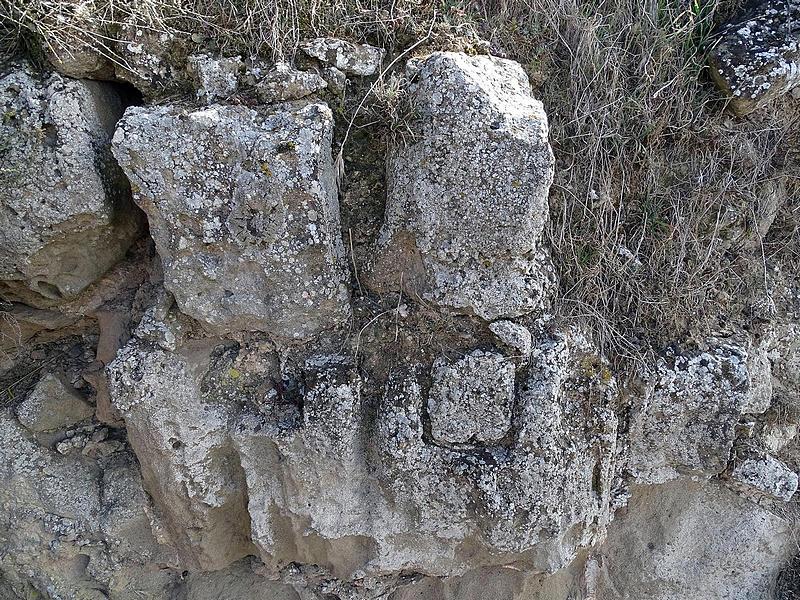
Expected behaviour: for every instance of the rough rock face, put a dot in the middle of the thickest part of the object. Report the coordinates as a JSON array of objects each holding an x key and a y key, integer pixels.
[
  {"x": 52, "y": 405},
  {"x": 215, "y": 77},
  {"x": 541, "y": 495},
  {"x": 299, "y": 482},
  {"x": 686, "y": 423},
  {"x": 75, "y": 525},
  {"x": 239, "y": 411},
  {"x": 766, "y": 475},
  {"x": 65, "y": 210},
  {"x": 467, "y": 202},
  {"x": 691, "y": 540},
  {"x": 283, "y": 83},
  {"x": 757, "y": 57},
  {"x": 471, "y": 400},
  {"x": 242, "y": 207}
]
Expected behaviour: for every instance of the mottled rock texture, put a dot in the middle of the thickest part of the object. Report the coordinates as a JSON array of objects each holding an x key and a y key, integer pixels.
[
  {"x": 355, "y": 59},
  {"x": 467, "y": 202},
  {"x": 65, "y": 210},
  {"x": 247, "y": 408},
  {"x": 691, "y": 405},
  {"x": 242, "y": 206},
  {"x": 757, "y": 57}
]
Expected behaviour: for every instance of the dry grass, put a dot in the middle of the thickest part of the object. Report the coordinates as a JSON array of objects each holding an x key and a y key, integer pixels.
[{"x": 658, "y": 193}]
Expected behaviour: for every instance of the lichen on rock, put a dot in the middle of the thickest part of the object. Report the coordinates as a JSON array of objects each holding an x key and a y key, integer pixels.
[
  {"x": 467, "y": 201},
  {"x": 65, "y": 210},
  {"x": 243, "y": 208},
  {"x": 757, "y": 57}
]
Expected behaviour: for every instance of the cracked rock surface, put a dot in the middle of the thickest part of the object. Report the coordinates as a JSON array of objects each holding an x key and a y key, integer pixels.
[
  {"x": 304, "y": 381},
  {"x": 65, "y": 210}
]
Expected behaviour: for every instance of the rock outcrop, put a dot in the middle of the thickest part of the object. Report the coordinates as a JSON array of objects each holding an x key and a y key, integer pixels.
[
  {"x": 757, "y": 57},
  {"x": 242, "y": 207},
  {"x": 65, "y": 210},
  {"x": 246, "y": 407},
  {"x": 691, "y": 540},
  {"x": 467, "y": 201}
]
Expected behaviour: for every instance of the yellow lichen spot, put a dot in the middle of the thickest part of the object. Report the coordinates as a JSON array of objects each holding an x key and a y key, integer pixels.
[
  {"x": 234, "y": 373},
  {"x": 605, "y": 374},
  {"x": 266, "y": 170},
  {"x": 516, "y": 183}
]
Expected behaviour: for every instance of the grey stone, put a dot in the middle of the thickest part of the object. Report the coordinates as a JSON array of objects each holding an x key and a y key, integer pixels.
[
  {"x": 301, "y": 473},
  {"x": 468, "y": 200},
  {"x": 757, "y": 56},
  {"x": 690, "y": 539},
  {"x": 776, "y": 436},
  {"x": 71, "y": 526},
  {"x": 65, "y": 210},
  {"x": 539, "y": 499},
  {"x": 514, "y": 336},
  {"x": 53, "y": 405},
  {"x": 216, "y": 77},
  {"x": 335, "y": 79},
  {"x": 685, "y": 422},
  {"x": 471, "y": 399},
  {"x": 355, "y": 59},
  {"x": 766, "y": 475},
  {"x": 243, "y": 209},
  {"x": 183, "y": 445},
  {"x": 147, "y": 58},
  {"x": 283, "y": 83}
]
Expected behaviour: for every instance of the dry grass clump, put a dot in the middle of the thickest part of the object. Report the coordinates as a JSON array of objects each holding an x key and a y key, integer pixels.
[
  {"x": 661, "y": 199},
  {"x": 659, "y": 193}
]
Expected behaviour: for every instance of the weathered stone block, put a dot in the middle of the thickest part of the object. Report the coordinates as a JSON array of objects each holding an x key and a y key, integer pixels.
[
  {"x": 467, "y": 202},
  {"x": 471, "y": 399},
  {"x": 356, "y": 59},
  {"x": 53, "y": 405},
  {"x": 244, "y": 212},
  {"x": 65, "y": 210},
  {"x": 766, "y": 475}
]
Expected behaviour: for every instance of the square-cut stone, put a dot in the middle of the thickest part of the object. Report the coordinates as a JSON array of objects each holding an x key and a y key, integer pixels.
[{"x": 471, "y": 399}]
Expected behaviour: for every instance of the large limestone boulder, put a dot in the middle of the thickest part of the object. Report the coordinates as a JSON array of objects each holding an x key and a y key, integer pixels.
[
  {"x": 757, "y": 57},
  {"x": 73, "y": 525},
  {"x": 467, "y": 200},
  {"x": 244, "y": 457},
  {"x": 65, "y": 210},
  {"x": 689, "y": 539},
  {"x": 243, "y": 209}
]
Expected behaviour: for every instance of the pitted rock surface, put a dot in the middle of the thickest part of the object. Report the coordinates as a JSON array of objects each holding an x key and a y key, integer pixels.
[
  {"x": 471, "y": 400},
  {"x": 65, "y": 210},
  {"x": 757, "y": 56},
  {"x": 766, "y": 475},
  {"x": 243, "y": 208},
  {"x": 215, "y": 77},
  {"x": 355, "y": 59},
  {"x": 239, "y": 409},
  {"x": 467, "y": 202},
  {"x": 230, "y": 433},
  {"x": 686, "y": 423}
]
